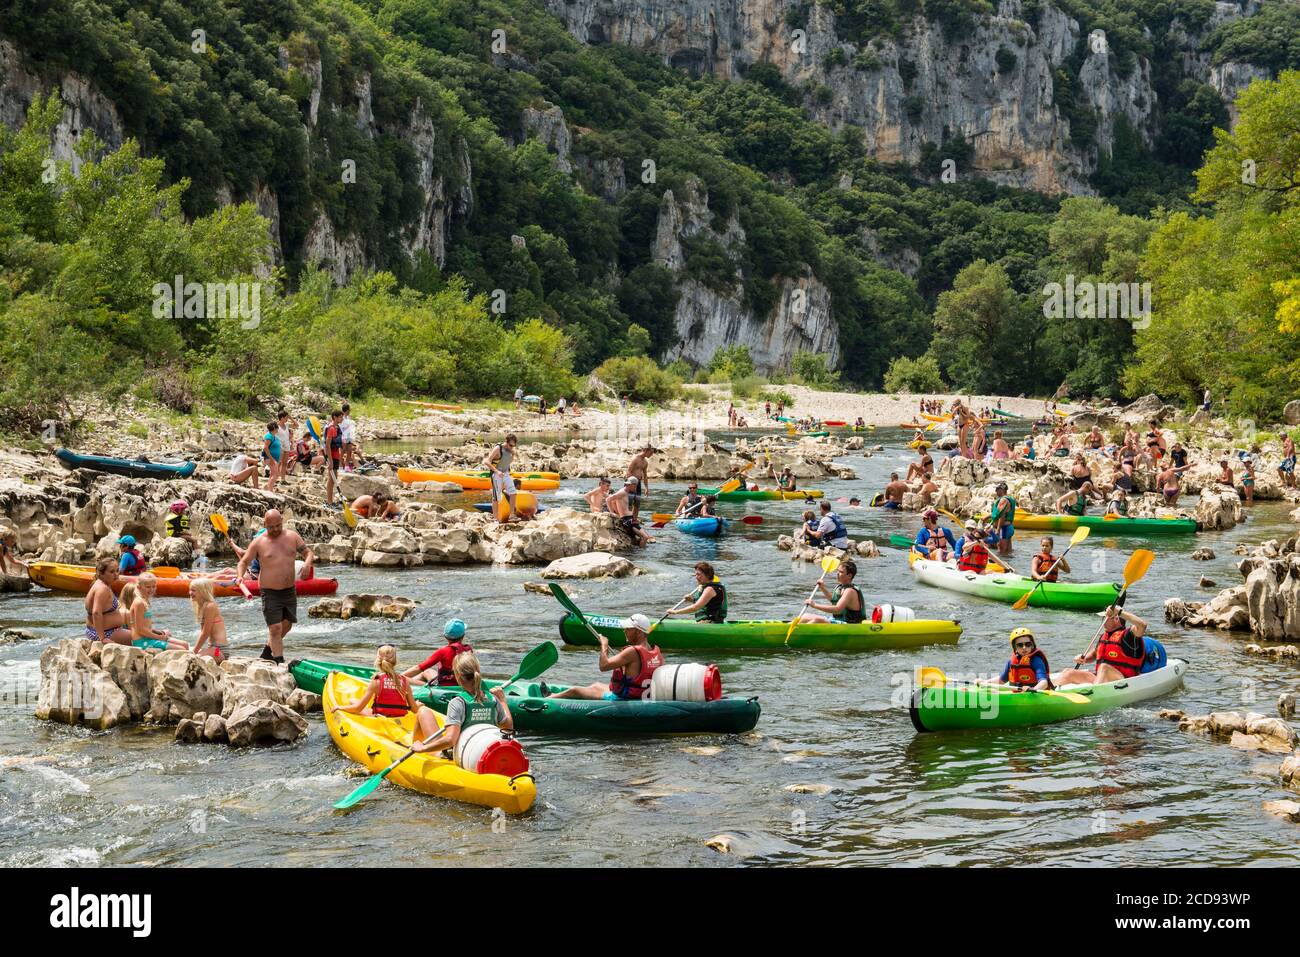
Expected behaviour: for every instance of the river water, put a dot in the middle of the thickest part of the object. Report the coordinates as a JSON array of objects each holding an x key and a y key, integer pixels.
[{"x": 1123, "y": 788}]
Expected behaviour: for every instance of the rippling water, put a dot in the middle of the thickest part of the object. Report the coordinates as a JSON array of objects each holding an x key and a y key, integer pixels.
[{"x": 1121, "y": 788}]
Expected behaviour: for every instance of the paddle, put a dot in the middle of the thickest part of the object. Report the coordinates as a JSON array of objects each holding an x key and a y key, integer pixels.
[
  {"x": 673, "y": 609},
  {"x": 349, "y": 516},
  {"x": 563, "y": 598},
  {"x": 932, "y": 677},
  {"x": 534, "y": 663},
  {"x": 1079, "y": 535},
  {"x": 223, "y": 528},
  {"x": 1134, "y": 569},
  {"x": 165, "y": 571},
  {"x": 829, "y": 564}
]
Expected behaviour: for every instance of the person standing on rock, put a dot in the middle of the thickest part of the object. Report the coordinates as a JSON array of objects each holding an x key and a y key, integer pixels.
[
  {"x": 1003, "y": 517},
  {"x": 1286, "y": 468},
  {"x": 271, "y": 453},
  {"x": 1248, "y": 478},
  {"x": 334, "y": 453},
  {"x": 637, "y": 469},
  {"x": 1168, "y": 482},
  {"x": 499, "y": 462},
  {"x": 349, "y": 428},
  {"x": 276, "y": 552},
  {"x": 519, "y": 397}
]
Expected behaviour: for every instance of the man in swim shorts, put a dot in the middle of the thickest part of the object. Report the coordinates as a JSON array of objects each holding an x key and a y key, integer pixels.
[{"x": 276, "y": 551}]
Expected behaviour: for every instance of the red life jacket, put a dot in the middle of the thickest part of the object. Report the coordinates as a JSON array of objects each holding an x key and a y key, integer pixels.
[
  {"x": 137, "y": 566},
  {"x": 333, "y": 440},
  {"x": 633, "y": 688},
  {"x": 976, "y": 560},
  {"x": 1110, "y": 651},
  {"x": 446, "y": 676},
  {"x": 1050, "y": 563},
  {"x": 390, "y": 700},
  {"x": 1021, "y": 671}
]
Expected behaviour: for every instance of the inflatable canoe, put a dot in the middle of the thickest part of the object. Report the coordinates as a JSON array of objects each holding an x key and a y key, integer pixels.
[
  {"x": 78, "y": 578},
  {"x": 132, "y": 468},
  {"x": 710, "y": 527}
]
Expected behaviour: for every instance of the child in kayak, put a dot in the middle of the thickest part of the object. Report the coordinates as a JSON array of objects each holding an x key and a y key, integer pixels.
[
  {"x": 1045, "y": 560},
  {"x": 139, "y": 617},
  {"x": 437, "y": 668},
  {"x": 389, "y": 696},
  {"x": 469, "y": 706},
  {"x": 1119, "y": 651},
  {"x": 632, "y": 667},
  {"x": 1028, "y": 669},
  {"x": 972, "y": 552},
  {"x": 849, "y": 605},
  {"x": 212, "y": 627}
]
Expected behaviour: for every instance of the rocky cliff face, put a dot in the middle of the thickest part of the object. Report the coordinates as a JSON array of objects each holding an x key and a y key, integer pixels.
[
  {"x": 996, "y": 86},
  {"x": 708, "y": 319},
  {"x": 85, "y": 109}
]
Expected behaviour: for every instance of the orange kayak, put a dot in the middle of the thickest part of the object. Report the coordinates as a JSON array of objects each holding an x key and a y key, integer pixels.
[
  {"x": 480, "y": 481},
  {"x": 78, "y": 578}
]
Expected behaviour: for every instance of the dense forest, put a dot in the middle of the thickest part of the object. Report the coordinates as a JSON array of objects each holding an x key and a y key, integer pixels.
[{"x": 80, "y": 253}]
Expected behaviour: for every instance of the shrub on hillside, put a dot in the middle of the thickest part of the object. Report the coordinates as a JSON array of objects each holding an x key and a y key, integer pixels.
[
  {"x": 640, "y": 378},
  {"x": 918, "y": 376}
]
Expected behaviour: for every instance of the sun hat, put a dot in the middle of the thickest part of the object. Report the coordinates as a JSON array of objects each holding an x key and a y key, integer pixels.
[{"x": 454, "y": 629}]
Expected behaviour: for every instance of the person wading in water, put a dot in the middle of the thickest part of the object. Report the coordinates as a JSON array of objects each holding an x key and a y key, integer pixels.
[{"x": 276, "y": 552}]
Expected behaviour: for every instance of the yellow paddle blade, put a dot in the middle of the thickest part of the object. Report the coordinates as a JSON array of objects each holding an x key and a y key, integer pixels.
[
  {"x": 1068, "y": 695},
  {"x": 1022, "y": 602},
  {"x": 219, "y": 523},
  {"x": 349, "y": 516},
  {"x": 1080, "y": 534},
  {"x": 165, "y": 571},
  {"x": 931, "y": 677},
  {"x": 662, "y": 517},
  {"x": 729, "y": 486},
  {"x": 829, "y": 564},
  {"x": 1137, "y": 566},
  {"x": 751, "y": 465}
]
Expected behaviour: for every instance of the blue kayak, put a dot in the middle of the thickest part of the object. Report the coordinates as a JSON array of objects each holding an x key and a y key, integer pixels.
[
  {"x": 710, "y": 527},
  {"x": 132, "y": 468}
]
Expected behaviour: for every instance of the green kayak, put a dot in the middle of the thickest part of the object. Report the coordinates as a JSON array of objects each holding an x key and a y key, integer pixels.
[
  {"x": 765, "y": 635},
  {"x": 1007, "y": 415},
  {"x": 1112, "y": 525},
  {"x": 1008, "y": 588},
  {"x": 533, "y": 713},
  {"x": 762, "y": 494},
  {"x": 956, "y": 706}
]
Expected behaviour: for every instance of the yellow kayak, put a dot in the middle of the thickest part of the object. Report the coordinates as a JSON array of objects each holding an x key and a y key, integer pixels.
[
  {"x": 376, "y": 742},
  {"x": 481, "y": 481}
]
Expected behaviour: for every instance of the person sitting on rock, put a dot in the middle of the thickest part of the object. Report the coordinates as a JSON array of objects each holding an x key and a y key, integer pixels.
[
  {"x": 437, "y": 668},
  {"x": 1120, "y": 652},
  {"x": 139, "y": 617},
  {"x": 847, "y": 604},
  {"x": 378, "y": 507},
  {"x": 1226, "y": 476},
  {"x": 633, "y": 667},
  {"x": 105, "y": 618},
  {"x": 9, "y": 554},
  {"x": 620, "y": 506},
  {"x": 807, "y": 532},
  {"x": 389, "y": 695},
  {"x": 178, "y": 523},
  {"x": 598, "y": 496}
]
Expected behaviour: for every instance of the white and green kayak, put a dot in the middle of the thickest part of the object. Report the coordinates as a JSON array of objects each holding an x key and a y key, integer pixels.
[{"x": 1006, "y": 587}]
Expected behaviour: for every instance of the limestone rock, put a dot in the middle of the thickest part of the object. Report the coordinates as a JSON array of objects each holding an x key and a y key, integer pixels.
[
  {"x": 303, "y": 701},
  {"x": 590, "y": 565},
  {"x": 128, "y": 667},
  {"x": 248, "y": 680},
  {"x": 189, "y": 731},
  {"x": 1218, "y": 508},
  {"x": 1289, "y": 810},
  {"x": 354, "y": 485},
  {"x": 364, "y": 606},
  {"x": 264, "y": 722},
  {"x": 214, "y": 728},
  {"x": 1286, "y": 704},
  {"x": 175, "y": 552},
  {"x": 74, "y": 690},
  {"x": 15, "y": 583},
  {"x": 1202, "y": 555},
  {"x": 180, "y": 684}
]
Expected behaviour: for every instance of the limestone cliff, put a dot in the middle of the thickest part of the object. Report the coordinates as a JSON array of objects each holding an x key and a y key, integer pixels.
[{"x": 997, "y": 86}]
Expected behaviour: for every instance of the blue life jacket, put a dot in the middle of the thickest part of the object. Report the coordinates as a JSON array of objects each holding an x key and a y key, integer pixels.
[
  {"x": 1156, "y": 657},
  {"x": 840, "y": 530}
]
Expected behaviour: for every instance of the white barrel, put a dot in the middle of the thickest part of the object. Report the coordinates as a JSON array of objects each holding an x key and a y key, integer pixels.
[
  {"x": 688, "y": 682},
  {"x": 473, "y": 744},
  {"x": 888, "y": 613}
]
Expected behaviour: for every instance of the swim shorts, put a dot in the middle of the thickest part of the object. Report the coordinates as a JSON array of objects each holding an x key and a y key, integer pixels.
[{"x": 280, "y": 604}]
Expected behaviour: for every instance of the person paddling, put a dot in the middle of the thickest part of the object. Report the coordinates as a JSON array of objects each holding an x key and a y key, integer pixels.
[
  {"x": 691, "y": 501},
  {"x": 1028, "y": 669},
  {"x": 933, "y": 541},
  {"x": 1120, "y": 652},
  {"x": 847, "y": 604},
  {"x": 710, "y": 597},
  {"x": 437, "y": 668},
  {"x": 1045, "y": 567},
  {"x": 972, "y": 552},
  {"x": 469, "y": 706},
  {"x": 632, "y": 667}
]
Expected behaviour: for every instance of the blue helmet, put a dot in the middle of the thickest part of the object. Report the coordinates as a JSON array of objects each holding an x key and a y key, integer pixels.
[{"x": 454, "y": 629}]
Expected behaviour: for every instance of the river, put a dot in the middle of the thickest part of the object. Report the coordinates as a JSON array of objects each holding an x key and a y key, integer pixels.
[{"x": 1124, "y": 788}]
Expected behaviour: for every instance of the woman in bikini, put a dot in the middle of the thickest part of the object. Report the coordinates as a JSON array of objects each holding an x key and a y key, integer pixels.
[
  {"x": 104, "y": 619},
  {"x": 212, "y": 627}
]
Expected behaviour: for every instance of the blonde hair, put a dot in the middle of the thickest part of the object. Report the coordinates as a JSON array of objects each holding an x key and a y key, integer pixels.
[
  {"x": 469, "y": 674},
  {"x": 126, "y": 598},
  {"x": 386, "y": 662},
  {"x": 200, "y": 596}
]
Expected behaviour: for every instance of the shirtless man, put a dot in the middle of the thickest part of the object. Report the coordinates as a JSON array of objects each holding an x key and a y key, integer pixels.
[
  {"x": 498, "y": 461},
  {"x": 597, "y": 497},
  {"x": 276, "y": 551},
  {"x": 620, "y": 506},
  {"x": 895, "y": 491},
  {"x": 636, "y": 469}
]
